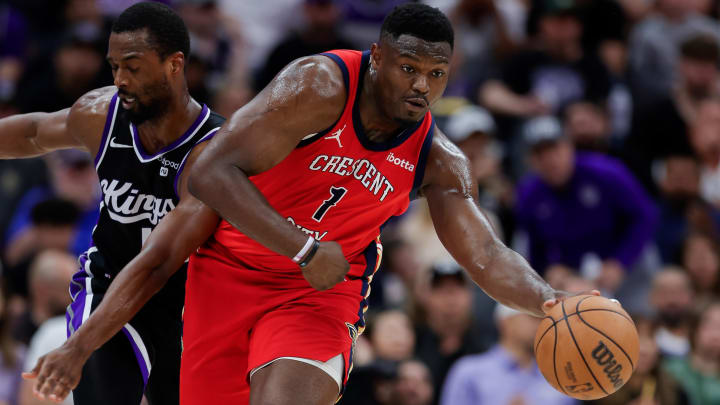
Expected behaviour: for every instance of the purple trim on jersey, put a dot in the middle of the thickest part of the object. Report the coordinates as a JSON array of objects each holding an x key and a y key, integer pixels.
[
  {"x": 74, "y": 313},
  {"x": 207, "y": 137},
  {"x": 106, "y": 130},
  {"x": 200, "y": 118},
  {"x": 422, "y": 160},
  {"x": 138, "y": 356}
]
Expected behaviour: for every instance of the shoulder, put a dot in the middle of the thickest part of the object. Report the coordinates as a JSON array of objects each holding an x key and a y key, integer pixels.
[
  {"x": 94, "y": 103},
  {"x": 446, "y": 164},
  {"x": 315, "y": 74},
  {"x": 601, "y": 165},
  {"x": 87, "y": 116}
]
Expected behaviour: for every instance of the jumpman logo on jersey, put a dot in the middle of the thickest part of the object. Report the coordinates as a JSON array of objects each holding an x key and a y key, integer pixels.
[{"x": 336, "y": 135}]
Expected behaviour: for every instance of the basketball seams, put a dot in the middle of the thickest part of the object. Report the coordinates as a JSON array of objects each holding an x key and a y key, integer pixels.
[
  {"x": 557, "y": 379},
  {"x": 609, "y": 338},
  {"x": 587, "y": 310},
  {"x": 546, "y": 330},
  {"x": 582, "y": 356}
]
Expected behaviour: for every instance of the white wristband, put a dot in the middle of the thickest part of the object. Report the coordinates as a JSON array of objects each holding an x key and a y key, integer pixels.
[{"x": 298, "y": 257}]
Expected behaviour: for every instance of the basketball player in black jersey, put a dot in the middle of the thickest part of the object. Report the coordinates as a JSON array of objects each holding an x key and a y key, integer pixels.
[{"x": 142, "y": 131}]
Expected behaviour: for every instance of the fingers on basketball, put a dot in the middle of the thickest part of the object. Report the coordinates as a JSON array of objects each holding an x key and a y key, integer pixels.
[{"x": 587, "y": 347}]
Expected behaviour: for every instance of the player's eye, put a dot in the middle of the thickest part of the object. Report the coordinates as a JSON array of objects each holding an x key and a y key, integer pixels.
[
  {"x": 407, "y": 69},
  {"x": 438, "y": 73}
]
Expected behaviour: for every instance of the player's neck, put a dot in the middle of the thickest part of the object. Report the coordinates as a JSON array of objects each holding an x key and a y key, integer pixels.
[
  {"x": 159, "y": 132},
  {"x": 378, "y": 126}
]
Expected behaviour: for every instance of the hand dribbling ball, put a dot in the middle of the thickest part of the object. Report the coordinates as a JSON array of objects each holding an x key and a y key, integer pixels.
[{"x": 587, "y": 347}]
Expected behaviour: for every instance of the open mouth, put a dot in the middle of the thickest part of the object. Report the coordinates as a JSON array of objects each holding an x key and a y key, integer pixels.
[
  {"x": 127, "y": 102},
  {"x": 416, "y": 104}
]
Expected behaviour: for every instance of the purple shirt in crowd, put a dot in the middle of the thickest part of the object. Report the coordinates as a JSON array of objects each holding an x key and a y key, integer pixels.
[
  {"x": 494, "y": 378},
  {"x": 602, "y": 210}
]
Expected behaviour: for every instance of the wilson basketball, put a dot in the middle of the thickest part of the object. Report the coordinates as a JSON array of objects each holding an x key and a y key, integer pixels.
[{"x": 587, "y": 347}]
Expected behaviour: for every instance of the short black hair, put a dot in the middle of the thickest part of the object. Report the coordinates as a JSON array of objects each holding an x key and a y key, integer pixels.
[
  {"x": 702, "y": 48},
  {"x": 167, "y": 32},
  {"x": 420, "y": 21}
]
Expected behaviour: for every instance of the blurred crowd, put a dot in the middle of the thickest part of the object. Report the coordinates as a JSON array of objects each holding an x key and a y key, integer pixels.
[{"x": 592, "y": 128}]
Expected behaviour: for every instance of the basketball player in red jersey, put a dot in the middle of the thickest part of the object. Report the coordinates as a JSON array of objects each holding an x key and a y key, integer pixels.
[{"x": 305, "y": 176}]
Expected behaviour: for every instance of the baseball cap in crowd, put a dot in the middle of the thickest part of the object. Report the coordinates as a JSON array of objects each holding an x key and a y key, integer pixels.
[
  {"x": 82, "y": 35},
  {"x": 468, "y": 120},
  {"x": 542, "y": 131},
  {"x": 446, "y": 270}
]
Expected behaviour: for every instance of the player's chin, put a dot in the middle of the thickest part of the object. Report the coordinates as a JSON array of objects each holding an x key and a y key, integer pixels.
[{"x": 408, "y": 117}]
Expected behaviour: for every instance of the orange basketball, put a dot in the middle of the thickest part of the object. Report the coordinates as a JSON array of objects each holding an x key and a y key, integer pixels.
[{"x": 587, "y": 347}]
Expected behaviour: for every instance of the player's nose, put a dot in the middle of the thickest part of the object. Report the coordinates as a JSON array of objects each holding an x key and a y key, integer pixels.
[
  {"x": 120, "y": 80},
  {"x": 420, "y": 85}
]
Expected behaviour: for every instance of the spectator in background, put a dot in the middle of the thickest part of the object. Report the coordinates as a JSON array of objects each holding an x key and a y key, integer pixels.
[
  {"x": 413, "y": 384},
  {"x": 12, "y": 354},
  {"x": 662, "y": 129},
  {"x": 392, "y": 336},
  {"x": 699, "y": 372},
  {"x": 394, "y": 285},
  {"x": 650, "y": 384},
  {"x": 578, "y": 209},
  {"x": 481, "y": 41},
  {"x": 319, "y": 34},
  {"x": 52, "y": 268},
  {"x": 705, "y": 138},
  {"x": 210, "y": 47},
  {"x": 701, "y": 260},
  {"x": 588, "y": 127},
  {"x": 672, "y": 298},
  {"x": 13, "y": 36},
  {"x": 449, "y": 330},
  {"x": 682, "y": 210},
  {"x": 553, "y": 72},
  {"x": 76, "y": 68},
  {"x": 74, "y": 180},
  {"x": 50, "y": 275},
  {"x": 604, "y": 26},
  {"x": 472, "y": 129},
  {"x": 654, "y": 45},
  {"x": 373, "y": 384},
  {"x": 16, "y": 179},
  {"x": 507, "y": 373}
]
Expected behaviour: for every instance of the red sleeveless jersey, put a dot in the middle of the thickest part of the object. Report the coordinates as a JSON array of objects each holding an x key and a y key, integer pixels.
[{"x": 338, "y": 185}]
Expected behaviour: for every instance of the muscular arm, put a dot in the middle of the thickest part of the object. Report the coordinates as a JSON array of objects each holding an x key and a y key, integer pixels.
[
  {"x": 306, "y": 97},
  {"x": 468, "y": 236},
  {"x": 178, "y": 235},
  {"x": 34, "y": 134}
]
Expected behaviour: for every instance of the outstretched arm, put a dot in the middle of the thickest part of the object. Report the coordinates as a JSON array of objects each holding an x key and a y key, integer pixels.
[
  {"x": 306, "y": 97},
  {"x": 178, "y": 235},
  {"x": 34, "y": 134},
  {"x": 467, "y": 234}
]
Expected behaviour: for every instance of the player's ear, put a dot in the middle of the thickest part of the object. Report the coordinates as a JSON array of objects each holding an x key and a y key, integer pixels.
[
  {"x": 375, "y": 55},
  {"x": 177, "y": 62}
]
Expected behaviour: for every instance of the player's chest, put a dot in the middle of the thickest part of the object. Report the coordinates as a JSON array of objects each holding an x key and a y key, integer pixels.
[{"x": 378, "y": 176}]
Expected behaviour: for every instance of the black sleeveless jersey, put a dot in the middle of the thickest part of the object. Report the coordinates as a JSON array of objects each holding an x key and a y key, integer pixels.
[{"x": 138, "y": 188}]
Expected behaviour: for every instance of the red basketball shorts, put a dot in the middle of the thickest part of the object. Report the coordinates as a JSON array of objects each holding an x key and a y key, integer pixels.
[{"x": 237, "y": 319}]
